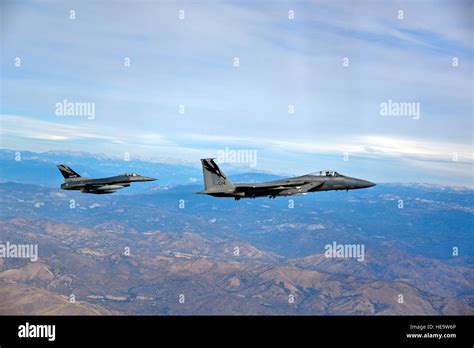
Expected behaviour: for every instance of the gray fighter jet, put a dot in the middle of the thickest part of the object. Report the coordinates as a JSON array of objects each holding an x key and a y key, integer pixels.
[
  {"x": 216, "y": 184},
  {"x": 73, "y": 181}
]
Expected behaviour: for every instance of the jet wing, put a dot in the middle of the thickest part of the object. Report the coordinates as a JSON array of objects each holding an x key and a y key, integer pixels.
[
  {"x": 91, "y": 188},
  {"x": 312, "y": 186},
  {"x": 309, "y": 187},
  {"x": 270, "y": 187}
]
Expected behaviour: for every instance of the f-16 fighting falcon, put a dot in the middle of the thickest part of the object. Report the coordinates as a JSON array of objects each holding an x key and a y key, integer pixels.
[
  {"x": 216, "y": 184},
  {"x": 73, "y": 181}
]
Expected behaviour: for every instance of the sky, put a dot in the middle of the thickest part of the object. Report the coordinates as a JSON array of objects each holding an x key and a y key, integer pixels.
[{"x": 306, "y": 94}]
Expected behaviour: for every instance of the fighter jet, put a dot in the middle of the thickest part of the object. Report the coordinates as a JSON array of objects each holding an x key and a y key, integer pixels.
[
  {"x": 216, "y": 184},
  {"x": 73, "y": 181}
]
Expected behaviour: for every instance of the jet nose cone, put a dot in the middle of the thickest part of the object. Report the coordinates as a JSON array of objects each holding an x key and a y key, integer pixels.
[
  {"x": 141, "y": 178},
  {"x": 365, "y": 184}
]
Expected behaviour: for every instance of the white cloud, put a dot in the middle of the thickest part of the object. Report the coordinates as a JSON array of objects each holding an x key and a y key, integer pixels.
[{"x": 27, "y": 127}]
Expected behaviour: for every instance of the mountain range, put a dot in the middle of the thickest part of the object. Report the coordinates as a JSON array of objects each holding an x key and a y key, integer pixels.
[{"x": 162, "y": 249}]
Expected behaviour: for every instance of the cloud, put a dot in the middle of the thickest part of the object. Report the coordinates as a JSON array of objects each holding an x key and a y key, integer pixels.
[
  {"x": 361, "y": 145},
  {"x": 27, "y": 127}
]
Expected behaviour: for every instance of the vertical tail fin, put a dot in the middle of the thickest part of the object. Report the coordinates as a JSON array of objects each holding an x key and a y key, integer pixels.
[
  {"x": 213, "y": 176},
  {"x": 67, "y": 172}
]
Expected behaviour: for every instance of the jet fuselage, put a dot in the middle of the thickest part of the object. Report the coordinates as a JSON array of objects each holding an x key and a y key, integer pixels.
[
  {"x": 217, "y": 185},
  {"x": 73, "y": 181}
]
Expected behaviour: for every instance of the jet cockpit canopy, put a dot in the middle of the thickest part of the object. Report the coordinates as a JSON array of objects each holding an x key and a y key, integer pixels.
[
  {"x": 131, "y": 174},
  {"x": 327, "y": 173}
]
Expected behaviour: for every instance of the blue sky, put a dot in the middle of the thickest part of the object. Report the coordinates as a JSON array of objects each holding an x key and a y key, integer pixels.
[{"x": 282, "y": 62}]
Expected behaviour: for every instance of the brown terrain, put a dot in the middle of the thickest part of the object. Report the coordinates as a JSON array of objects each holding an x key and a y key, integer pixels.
[{"x": 162, "y": 268}]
